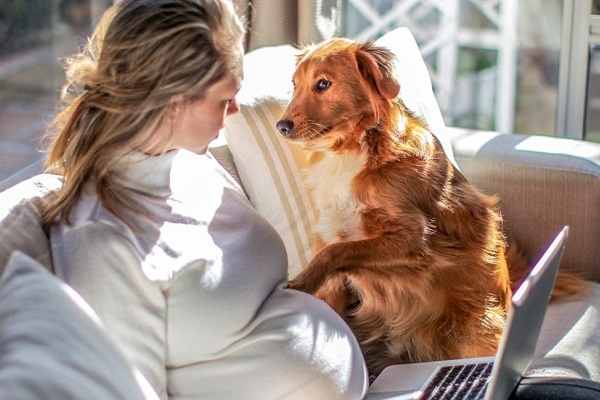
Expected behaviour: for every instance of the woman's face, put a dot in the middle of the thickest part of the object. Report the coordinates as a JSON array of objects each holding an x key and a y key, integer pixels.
[
  {"x": 192, "y": 125},
  {"x": 197, "y": 123}
]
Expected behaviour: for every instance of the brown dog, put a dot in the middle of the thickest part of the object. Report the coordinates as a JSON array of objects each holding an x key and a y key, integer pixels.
[{"x": 409, "y": 253}]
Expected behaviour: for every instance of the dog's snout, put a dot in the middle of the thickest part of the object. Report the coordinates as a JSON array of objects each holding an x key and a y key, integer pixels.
[{"x": 285, "y": 126}]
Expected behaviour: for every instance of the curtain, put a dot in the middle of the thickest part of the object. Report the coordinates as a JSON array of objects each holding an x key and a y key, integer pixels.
[{"x": 275, "y": 22}]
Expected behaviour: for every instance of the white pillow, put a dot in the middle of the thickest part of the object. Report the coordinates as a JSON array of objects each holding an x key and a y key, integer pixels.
[
  {"x": 270, "y": 167},
  {"x": 415, "y": 83},
  {"x": 52, "y": 345}
]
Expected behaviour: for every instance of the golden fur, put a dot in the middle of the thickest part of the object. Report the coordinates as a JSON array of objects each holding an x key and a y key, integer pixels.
[{"x": 409, "y": 253}]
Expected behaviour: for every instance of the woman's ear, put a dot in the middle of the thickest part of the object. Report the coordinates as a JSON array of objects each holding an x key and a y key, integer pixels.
[{"x": 175, "y": 108}]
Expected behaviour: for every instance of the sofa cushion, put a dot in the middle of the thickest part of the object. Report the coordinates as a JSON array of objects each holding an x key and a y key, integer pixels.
[
  {"x": 20, "y": 219},
  {"x": 568, "y": 343},
  {"x": 52, "y": 345},
  {"x": 270, "y": 168},
  {"x": 556, "y": 389},
  {"x": 543, "y": 183}
]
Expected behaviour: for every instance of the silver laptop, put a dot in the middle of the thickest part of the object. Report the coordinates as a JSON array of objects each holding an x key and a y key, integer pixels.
[{"x": 487, "y": 377}]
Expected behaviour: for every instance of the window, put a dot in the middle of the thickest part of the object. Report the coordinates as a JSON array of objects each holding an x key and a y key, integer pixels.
[
  {"x": 35, "y": 35},
  {"x": 578, "y": 85},
  {"x": 507, "y": 65},
  {"x": 592, "y": 111}
]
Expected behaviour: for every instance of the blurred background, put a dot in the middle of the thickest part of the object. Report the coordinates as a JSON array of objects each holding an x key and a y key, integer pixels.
[{"x": 523, "y": 66}]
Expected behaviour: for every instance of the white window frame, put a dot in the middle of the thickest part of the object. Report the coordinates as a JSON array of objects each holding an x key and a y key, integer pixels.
[{"x": 579, "y": 29}]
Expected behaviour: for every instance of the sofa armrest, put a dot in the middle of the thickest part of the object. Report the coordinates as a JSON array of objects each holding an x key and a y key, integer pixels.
[
  {"x": 23, "y": 174},
  {"x": 543, "y": 183}
]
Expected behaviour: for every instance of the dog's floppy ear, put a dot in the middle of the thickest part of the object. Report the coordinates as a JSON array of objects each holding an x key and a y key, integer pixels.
[{"x": 376, "y": 65}]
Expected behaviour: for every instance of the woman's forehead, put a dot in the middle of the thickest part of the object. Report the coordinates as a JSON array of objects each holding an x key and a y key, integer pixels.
[{"x": 229, "y": 83}]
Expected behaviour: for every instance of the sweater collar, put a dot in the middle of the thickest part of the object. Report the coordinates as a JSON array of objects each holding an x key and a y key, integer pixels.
[{"x": 161, "y": 175}]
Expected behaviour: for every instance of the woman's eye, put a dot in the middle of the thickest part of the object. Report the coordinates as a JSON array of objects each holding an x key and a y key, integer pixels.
[{"x": 323, "y": 84}]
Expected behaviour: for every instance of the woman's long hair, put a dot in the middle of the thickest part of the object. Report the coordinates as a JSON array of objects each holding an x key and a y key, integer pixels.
[{"x": 141, "y": 55}]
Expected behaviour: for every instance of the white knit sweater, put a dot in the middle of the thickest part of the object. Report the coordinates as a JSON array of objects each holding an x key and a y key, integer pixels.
[{"x": 196, "y": 297}]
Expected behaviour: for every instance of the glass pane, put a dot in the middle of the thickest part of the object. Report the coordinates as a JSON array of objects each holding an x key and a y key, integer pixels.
[
  {"x": 474, "y": 94},
  {"x": 539, "y": 33},
  {"x": 465, "y": 43},
  {"x": 35, "y": 35},
  {"x": 592, "y": 114}
]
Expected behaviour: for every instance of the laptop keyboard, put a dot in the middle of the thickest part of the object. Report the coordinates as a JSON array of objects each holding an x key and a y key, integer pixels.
[{"x": 459, "y": 382}]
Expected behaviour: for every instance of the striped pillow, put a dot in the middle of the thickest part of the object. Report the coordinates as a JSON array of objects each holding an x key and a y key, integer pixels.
[{"x": 269, "y": 168}]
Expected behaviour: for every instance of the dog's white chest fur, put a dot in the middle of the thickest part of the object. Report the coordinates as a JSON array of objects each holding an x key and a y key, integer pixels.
[{"x": 330, "y": 182}]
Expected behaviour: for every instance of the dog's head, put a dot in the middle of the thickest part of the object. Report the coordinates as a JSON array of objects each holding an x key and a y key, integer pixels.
[{"x": 341, "y": 88}]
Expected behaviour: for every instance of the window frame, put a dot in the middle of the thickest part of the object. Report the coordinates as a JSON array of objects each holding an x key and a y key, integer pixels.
[{"x": 580, "y": 29}]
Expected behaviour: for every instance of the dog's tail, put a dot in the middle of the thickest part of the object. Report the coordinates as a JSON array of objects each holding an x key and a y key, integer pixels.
[{"x": 567, "y": 283}]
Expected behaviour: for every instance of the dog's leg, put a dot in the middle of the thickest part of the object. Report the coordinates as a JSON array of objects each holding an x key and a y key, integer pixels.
[{"x": 341, "y": 257}]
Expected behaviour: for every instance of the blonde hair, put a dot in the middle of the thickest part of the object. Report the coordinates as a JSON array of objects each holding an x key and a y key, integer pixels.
[{"x": 141, "y": 55}]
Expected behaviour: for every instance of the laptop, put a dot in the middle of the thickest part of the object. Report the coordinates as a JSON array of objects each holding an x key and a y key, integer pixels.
[{"x": 500, "y": 374}]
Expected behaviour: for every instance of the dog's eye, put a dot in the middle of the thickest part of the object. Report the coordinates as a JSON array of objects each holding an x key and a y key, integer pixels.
[{"x": 323, "y": 84}]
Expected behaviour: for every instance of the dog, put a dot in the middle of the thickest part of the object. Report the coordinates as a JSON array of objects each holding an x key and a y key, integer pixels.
[{"x": 407, "y": 251}]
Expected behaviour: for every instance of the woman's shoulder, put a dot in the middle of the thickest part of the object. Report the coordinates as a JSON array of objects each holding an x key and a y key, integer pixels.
[{"x": 90, "y": 218}]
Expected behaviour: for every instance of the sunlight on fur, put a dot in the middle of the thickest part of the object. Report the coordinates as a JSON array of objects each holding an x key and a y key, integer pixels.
[{"x": 407, "y": 251}]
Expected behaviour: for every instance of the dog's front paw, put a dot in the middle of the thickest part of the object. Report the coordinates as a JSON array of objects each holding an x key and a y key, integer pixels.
[
  {"x": 308, "y": 281},
  {"x": 313, "y": 275},
  {"x": 299, "y": 283},
  {"x": 292, "y": 284}
]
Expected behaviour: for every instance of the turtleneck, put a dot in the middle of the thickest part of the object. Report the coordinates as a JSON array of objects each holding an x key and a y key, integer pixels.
[{"x": 147, "y": 173}]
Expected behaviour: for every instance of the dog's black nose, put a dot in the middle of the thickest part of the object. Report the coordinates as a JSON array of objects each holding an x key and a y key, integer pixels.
[{"x": 285, "y": 126}]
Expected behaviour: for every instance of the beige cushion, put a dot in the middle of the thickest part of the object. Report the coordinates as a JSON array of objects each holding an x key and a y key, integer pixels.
[
  {"x": 543, "y": 183},
  {"x": 568, "y": 343},
  {"x": 270, "y": 168}
]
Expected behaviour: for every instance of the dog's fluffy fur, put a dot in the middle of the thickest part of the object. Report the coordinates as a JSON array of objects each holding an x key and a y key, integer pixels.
[{"x": 408, "y": 252}]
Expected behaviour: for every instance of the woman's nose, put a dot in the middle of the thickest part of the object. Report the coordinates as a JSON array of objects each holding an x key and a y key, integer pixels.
[{"x": 233, "y": 107}]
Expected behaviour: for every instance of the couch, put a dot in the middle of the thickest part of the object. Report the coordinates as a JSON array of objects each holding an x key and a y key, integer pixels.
[{"x": 543, "y": 183}]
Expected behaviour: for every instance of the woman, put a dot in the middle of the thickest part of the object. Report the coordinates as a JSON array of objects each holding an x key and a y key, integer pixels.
[{"x": 160, "y": 241}]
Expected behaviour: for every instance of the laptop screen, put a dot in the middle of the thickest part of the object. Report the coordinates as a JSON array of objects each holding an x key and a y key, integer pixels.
[{"x": 524, "y": 322}]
